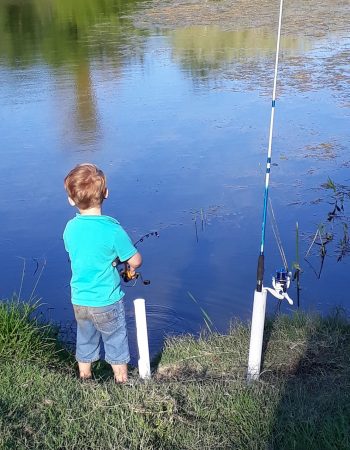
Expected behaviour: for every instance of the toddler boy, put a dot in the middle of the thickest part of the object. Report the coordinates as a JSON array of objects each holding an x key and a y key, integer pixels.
[{"x": 93, "y": 242}]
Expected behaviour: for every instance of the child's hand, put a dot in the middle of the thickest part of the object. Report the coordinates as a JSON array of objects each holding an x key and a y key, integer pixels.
[
  {"x": 131, "y": 272},
  {"x": 130, "y": 267}
]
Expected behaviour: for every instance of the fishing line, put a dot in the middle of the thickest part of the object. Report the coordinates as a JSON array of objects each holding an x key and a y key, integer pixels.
[
  {"x": 280, "y": 247},
  {"x": 277, "y": 236},
  {"x": 276, "y": 233},
  {"x": 260, "y": 270}
]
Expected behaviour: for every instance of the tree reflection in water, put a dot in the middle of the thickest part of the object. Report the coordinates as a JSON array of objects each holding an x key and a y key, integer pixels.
[{"x": 69, "y": 37}]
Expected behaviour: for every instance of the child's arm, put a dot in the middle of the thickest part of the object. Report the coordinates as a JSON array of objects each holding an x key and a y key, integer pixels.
[{"x": 133, "y": 263}]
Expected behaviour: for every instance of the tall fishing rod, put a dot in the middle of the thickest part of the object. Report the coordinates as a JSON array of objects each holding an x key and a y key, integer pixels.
[
  {"x": 281, "y": 281},
  {"x": 260, "y": 270}
]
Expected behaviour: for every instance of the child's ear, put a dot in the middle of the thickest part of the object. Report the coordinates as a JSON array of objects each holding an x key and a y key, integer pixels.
[
  {"x": 71, "y": 202},
  {"x": 106, "y": 193}
]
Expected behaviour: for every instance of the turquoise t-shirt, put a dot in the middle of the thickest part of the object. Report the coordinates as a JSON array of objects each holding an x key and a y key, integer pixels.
[{"x": 93, "y": 243}]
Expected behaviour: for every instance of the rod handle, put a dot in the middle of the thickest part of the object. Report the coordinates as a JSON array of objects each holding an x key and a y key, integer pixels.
[{"x": 260, "y": 273}]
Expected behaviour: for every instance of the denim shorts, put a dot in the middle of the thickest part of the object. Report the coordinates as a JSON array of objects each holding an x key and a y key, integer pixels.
[{"x": 105, "y": 323}]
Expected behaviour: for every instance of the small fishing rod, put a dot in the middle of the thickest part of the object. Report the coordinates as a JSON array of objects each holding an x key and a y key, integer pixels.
[
  {"x": 281, "y": 281},
  {"x": 125, "y": 273}
]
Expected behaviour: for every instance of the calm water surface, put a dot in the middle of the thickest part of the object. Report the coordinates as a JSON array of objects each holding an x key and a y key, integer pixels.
[{"x": 178, "y": 119}]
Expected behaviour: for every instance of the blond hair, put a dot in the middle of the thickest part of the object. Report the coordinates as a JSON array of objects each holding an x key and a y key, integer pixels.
[{"x": 86, "y": 185}]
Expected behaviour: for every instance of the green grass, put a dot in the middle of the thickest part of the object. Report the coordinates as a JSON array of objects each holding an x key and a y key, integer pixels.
[{"x": 197, "y": 399}]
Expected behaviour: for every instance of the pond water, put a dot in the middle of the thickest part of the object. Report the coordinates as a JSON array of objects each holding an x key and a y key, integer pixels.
[{"x": 177, "y": 117}]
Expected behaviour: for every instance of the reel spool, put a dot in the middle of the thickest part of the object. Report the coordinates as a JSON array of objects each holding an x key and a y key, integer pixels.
[{"x": 280, "y": 284}]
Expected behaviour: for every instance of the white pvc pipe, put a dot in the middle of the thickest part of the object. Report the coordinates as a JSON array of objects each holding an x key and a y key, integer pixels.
[
  {"x": 142, "y": 338},
  {"x": 256, "y": 335}
]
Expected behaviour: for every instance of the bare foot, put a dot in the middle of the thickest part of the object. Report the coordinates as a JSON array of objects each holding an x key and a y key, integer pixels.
[
  {"x": 84, "y": 370},
  {"x": 120, "y": 373}
]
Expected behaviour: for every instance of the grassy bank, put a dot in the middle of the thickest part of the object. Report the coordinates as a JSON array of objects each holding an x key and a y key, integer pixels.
[{"x": 197, "y": 399}]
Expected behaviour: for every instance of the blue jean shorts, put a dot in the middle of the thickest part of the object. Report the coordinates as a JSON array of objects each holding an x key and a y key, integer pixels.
[{"x": 106, "y": 324}]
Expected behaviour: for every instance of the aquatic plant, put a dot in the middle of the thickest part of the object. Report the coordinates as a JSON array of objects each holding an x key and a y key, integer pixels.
[
  {"x": 203, "y": 220},
  {"x": 296, "y": 264},
  {"x": 207, "y": 320},
  {"x": 334, "y": 228}
]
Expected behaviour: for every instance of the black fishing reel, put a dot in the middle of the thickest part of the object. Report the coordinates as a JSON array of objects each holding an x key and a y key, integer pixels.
[{"x": 126, "y": 275}]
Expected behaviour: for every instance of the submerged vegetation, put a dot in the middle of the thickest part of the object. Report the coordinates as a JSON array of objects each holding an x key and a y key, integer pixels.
[{"x": 197, "y": 398}]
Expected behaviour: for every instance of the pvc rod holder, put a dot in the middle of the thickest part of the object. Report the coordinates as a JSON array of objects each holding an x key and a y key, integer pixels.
[
  {"x": 142, "y": 338},
  {"x": 256, "y": 335}
]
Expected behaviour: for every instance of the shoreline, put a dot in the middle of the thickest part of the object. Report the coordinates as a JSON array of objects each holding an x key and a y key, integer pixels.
[{"x": 198, "y": 397}]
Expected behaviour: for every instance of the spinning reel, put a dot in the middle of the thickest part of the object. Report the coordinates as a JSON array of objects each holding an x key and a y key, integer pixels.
[
  {"x": 280, "y": 284},
  {"x": 126, "y": 274}
]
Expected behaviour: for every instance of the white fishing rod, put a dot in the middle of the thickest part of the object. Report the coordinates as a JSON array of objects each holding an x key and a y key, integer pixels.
[{"x": 281, "y": 281}]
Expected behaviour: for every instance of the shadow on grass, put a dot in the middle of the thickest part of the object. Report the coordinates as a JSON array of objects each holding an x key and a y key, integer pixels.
[{"x": 314, "y": 408}]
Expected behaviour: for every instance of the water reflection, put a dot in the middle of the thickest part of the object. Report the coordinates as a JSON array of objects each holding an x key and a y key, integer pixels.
[
  {"x": 70, "y": 36},
  {"x": 203, "y": 49},
  {"x": 86, "y": 115},
  {"x": 58, "y": 31},
  {"x": 78, "y": 75}
]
